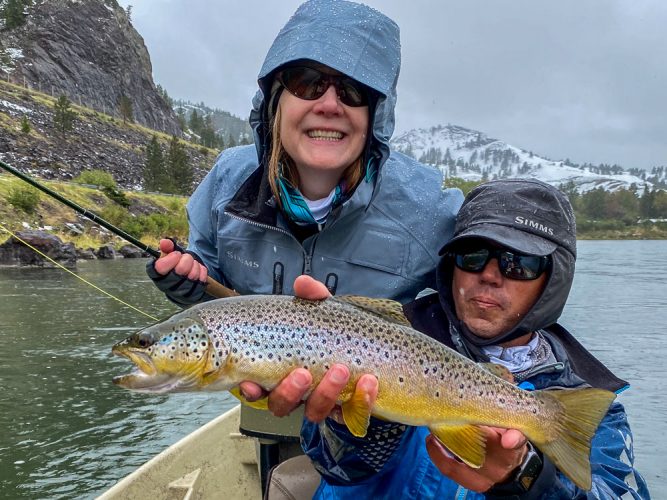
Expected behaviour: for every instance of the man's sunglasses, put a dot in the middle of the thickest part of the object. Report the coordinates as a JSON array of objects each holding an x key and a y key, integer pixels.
[
  {"x": 513, "y": 265},
  {"x": 310, "y": 84}
]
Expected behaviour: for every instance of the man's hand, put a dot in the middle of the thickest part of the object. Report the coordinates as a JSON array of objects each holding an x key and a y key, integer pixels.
[
  {"x": 505, "y": 450},
  {"x": 289, "y": 394}
]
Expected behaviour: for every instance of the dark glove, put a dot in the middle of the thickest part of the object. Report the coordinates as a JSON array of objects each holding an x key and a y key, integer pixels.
[{"x": 179, "y": 289}]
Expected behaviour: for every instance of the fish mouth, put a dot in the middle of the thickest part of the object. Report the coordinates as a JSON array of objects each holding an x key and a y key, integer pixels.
[
  {"x": 142, "y": 360},
  {"x": 145, "y": 377}
]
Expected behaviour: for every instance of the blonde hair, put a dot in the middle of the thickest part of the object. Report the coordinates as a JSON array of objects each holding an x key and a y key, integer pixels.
[{"x": 279, "y": 156}]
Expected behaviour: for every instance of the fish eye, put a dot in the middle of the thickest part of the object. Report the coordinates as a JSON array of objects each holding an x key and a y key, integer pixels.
[{"x": 144, "y": 339}]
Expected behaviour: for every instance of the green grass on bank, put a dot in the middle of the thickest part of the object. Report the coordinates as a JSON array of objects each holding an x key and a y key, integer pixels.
[
  {"x": 152, "y": 216},
  {"x": 148, "y": 216}
]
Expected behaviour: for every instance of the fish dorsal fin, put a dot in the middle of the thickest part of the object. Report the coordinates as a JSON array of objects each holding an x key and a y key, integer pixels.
[
  {"x": 467, "y": 442},
  {"x": 260, "y": 404},
  {"x": 499, "y": 371},
  {"x": 389, "y": 310}
]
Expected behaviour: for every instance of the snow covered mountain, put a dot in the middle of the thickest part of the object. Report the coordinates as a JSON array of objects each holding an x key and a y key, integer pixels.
[{"x": 472, "y": 155}]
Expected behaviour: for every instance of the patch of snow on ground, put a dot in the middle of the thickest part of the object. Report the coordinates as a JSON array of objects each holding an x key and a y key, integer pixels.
[
  {"x": 14, "y": 53},
  {"x": 14, "y": 107}
]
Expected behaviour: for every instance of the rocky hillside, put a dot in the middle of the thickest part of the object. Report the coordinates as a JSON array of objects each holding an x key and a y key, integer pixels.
[
  {"x": 97, "y": 141},
  {"x": 89, "y": 51}
]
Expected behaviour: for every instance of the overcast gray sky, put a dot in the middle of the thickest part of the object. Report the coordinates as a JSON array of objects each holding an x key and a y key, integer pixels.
[{"x": 578, "y": 79}]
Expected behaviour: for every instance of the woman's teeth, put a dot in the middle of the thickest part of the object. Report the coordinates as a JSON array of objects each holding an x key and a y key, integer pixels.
[{"x": 327, "y": 135}]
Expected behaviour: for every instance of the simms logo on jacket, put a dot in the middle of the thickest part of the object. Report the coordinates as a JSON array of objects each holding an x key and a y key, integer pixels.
[
  {"x": 245, "y": 262},
  {"x": 535, "y": 225}
]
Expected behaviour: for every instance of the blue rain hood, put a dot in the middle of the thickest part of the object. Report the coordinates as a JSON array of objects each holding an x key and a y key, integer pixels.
[{"x": 349, "y": 37}]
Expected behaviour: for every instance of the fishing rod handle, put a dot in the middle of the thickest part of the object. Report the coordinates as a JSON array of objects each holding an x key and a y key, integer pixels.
[
  {"x": 213, "y": 287},
  {"x": 219, "y": 290}
]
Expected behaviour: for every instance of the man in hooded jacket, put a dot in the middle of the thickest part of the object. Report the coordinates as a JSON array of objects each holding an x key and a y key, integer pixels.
[{"x": 508, "y": 234}]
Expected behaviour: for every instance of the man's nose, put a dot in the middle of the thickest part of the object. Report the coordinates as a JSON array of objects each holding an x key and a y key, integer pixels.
[{"x": 491, "y": 272}]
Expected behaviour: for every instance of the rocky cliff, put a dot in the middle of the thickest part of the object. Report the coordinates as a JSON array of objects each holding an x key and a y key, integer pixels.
[{"x": 89, "y": 51}]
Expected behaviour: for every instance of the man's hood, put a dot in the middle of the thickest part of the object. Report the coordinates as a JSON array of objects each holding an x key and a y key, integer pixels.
[
  {"x": 528, "y": 216},
  {"x": 352, "y": 38}
]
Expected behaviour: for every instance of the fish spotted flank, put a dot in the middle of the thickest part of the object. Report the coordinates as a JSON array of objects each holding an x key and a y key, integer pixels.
[{"x": 218, "y": 344}]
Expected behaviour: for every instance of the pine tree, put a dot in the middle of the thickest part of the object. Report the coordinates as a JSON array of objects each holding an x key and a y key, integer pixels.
[
  {"x": 154, "y": 169},
  {"x": 25, "y": 125},
  {"x": 195, "y": 122},
  {"x": 125, "y": 108},
  {"x": 207, "y": 135},
  {"x": 63, "y": 116},
  {"x": 13, "y": 13},
  {"x": 180, "y": 116},
  {"x": 178, "y": 169}
]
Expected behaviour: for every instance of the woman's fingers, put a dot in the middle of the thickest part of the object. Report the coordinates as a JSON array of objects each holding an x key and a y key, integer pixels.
[
  {"x": 166, "y": 246},
  {"x": 165, "y": 264},
  {"x": 194, "y": 271},
  {"x": 203, "y": 274},
  {"x": 306, "y": 287}
]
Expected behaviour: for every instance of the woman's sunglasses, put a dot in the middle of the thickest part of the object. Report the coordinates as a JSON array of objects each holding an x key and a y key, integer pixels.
[
  {"x": 310, "y": 84},
  {"x": 512, "y": 265}
]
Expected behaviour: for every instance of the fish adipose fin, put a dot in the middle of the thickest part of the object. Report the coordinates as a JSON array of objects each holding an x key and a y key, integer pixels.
[
  {"x": 260, "y": 404},
  {"x": 357, "y": 413},
  {"x": 583, "y": 409},
  {"x": 467, "y": 442},
  {"x": 389, "y": 310}
]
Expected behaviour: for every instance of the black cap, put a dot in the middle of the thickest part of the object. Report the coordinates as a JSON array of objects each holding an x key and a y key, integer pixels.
[{"x": 526, "y": 215}]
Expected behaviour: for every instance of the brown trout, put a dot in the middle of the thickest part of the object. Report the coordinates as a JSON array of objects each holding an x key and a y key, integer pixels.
[{"x": 216, "y": 345}]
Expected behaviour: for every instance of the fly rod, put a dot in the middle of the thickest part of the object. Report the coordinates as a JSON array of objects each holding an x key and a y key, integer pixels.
[{"x": 212, "y": 287}]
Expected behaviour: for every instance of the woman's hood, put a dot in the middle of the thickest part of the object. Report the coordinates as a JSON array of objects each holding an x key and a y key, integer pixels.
[{"x": 352, "y": 38}]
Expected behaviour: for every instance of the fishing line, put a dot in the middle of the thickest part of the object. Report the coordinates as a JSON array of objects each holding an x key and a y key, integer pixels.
[{"x": 76, "y": 275}]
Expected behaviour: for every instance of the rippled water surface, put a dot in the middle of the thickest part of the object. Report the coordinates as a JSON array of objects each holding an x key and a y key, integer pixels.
[{"x": 68, "y": 432}]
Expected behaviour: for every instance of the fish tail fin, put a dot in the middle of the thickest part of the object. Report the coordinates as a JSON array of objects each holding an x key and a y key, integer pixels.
[{"x": 570, "y": 448}]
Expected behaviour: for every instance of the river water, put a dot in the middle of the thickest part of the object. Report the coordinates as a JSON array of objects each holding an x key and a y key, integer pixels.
[{"x": 68, "y": 432}]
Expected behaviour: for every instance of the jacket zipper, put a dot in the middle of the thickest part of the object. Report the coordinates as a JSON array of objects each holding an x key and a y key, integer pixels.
[
  {"x": 307, "y": 258},
  {"x": 257, "y": 224}
]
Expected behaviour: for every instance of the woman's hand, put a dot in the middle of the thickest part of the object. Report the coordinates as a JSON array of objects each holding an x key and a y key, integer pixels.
[
  {"x": 179, "y": 275},
  {"x": 505, "y": 450},
  {"x": 182, "y": 264},
  {"x": 288, "y": 395}
]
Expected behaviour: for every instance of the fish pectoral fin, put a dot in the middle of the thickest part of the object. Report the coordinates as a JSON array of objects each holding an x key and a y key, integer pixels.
[
  {"x": 357, "y": 413},
  {"x": 387, "y": 309},
  {"x": 260, "y": 404},
  {"x": 499, "y": 371},
  {"x": 467, "y": 442}
]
